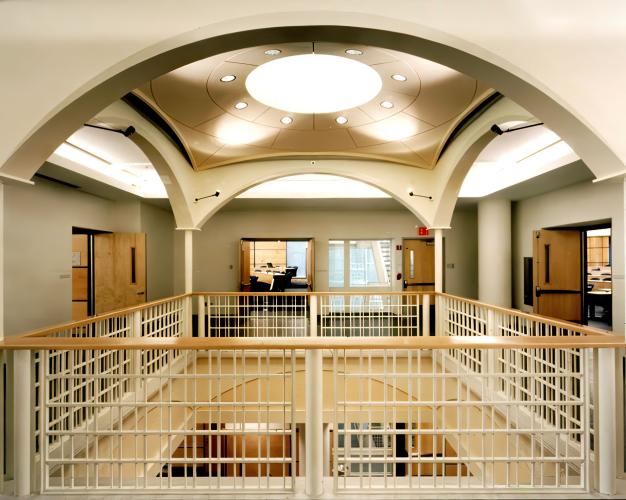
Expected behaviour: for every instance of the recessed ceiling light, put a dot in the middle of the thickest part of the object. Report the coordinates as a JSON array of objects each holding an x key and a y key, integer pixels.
[
  {"x": 313, "y": 83},
  {"x": 286, "y": 120},
  {"x": 354, "y": 52},
  {"x": 399, "y": 78},
  {"x": 227, "y": 78},
  {"x": 341, "y": 120},
  {"x": 272, "y": 52},
  {"x": 387, "y": 104},
  {"x": 241, "y": 105}
]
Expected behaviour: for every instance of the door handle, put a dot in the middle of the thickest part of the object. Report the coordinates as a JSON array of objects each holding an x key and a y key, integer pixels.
[
  {"x": 539, "y": 292},
  {"x": 140, "y": 293}
]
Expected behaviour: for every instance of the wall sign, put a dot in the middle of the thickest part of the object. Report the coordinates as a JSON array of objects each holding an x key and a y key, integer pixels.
[{"x": 422, "y": 231}]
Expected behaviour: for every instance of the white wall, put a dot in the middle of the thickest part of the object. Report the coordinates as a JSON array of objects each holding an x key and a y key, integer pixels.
[
  {"x": 159, "y": 226},
  {"x": 216, "y": 247},
  {"x": 580, "y": 203},
  {"x": 38, "y": 248}
]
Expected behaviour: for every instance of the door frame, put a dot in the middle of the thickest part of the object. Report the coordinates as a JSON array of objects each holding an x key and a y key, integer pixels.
[{"x": 584, "y": 230}]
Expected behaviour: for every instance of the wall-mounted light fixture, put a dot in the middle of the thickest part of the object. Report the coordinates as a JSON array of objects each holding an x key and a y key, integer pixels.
[
  {"x": 412, "y": 194},
  {"x": 127, "y": 132},
  {"x": 216, "y": 194},
  {"x": 495, "y": 128}
]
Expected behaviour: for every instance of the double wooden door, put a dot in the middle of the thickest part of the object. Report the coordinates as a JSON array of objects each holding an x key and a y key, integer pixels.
[{"x": 557, "y": 261}]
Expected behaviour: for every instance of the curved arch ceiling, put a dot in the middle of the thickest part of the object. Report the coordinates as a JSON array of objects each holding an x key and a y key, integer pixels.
[{"x": 200, "y": 107}]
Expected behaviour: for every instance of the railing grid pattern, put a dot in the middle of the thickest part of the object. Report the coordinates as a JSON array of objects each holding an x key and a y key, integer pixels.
[
  {"x": 253, "y": 315},
  {"x": 413, "y": 419},
  {"x": 215, "y": 420},
  {"x": 373, "y": 315}
]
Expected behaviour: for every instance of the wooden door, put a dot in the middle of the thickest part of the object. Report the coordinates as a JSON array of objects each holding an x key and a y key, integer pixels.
[
  {"x": 119, "y": 270},
  {"x": 310, "y": 263},
  {"x": 244, "y": 263},
  {"x": 557, "y": 258},
  {"x": 418, "y": 265}
]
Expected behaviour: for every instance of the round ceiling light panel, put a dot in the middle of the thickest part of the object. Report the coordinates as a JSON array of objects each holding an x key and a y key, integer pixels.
[{"x": 313, "y": 83}]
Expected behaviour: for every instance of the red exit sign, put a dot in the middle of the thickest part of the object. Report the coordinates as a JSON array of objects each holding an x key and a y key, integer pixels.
[{"x": 422, "y": 231}]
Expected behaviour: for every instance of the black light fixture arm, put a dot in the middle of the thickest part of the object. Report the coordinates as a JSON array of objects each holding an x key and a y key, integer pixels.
[
  {"x": 495, "y": 128},
  {"x": 412, "y": 194},
  {"x": 127, "y": 132},
  {"x": 216, "y": 194}
]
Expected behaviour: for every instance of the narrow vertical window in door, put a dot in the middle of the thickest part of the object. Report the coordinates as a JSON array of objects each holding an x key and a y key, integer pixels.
[
  {"x": 133, "y": 266},
  {"x": 547, "y": 263},
  {"x": 411, "y": 264}
]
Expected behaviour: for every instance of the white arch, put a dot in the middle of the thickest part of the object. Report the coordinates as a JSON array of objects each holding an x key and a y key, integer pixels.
[
  {"x": 442, "y": 183},
  {"x": 94, "y": 82}
]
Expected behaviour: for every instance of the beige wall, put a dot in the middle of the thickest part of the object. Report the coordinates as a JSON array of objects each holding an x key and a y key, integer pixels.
[
  {"x": 38, "y": 223},
  {"x": 581, "y": 203},
  {"x": 216, "y": 247}
]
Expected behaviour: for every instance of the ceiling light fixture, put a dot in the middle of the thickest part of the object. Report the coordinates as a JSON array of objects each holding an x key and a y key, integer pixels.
[
  {"x": 398, "y": 78},
  {"x": 228, "y": 78},
  {"x": 272, "y": 52},
  {"x": 341, "y": 120},
  {"x": 313, "y": 83},
  {"x": 386, "y": 104},
  {"x": 495, "y": 128},
  {"x": 354, "y": 52},
  {"x": 241, "y": 105},
  {"x": 286, "y": 120}
]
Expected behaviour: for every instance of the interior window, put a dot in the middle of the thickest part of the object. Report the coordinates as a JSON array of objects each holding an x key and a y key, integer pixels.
[{"x": 359, "y": 263}]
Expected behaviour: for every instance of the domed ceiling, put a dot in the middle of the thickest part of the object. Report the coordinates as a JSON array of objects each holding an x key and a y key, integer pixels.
[{"x": 408, "y": 121}]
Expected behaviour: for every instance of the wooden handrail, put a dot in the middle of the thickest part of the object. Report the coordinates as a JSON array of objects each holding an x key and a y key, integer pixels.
[
  {"x": 289, "y": 343},
  {"x": 42, "y": 332},
  {"x": 574, "y": 327},
  {"x": 559, "y": 323},
  {"x": 306, "y": 294}
]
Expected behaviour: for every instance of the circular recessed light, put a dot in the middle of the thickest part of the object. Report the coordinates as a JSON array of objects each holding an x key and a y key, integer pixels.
[
  {"x": 341, "y": 120},
  {"x": 398, "y": 78},
  {"x": 272, "y": 52},
  {"x": 354, "y": 52},
  {"x": 241, "y": 105},
  {"x": 313, "y": 83},
  {"x": 286, "y": 120},
  {"x": 227, "y": 78},
  {"x": 387, "y": 104}
]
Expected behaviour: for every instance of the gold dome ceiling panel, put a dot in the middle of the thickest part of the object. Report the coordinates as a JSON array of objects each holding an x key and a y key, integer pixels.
[{"x": 220, "y": 123}]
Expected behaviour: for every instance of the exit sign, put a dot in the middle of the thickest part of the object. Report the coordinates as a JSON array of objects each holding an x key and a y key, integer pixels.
[{"x": 422, "y": 231}]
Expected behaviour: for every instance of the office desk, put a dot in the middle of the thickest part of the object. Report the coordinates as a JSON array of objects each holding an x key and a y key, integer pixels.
[{"x": 602, "y": 298}]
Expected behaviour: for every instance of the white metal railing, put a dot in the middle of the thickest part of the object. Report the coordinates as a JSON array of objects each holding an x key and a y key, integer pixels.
[
  {"x": 407, "y": 419},
  {"x": 517, "y": 373},
  {"x": 160, "y": 417},
  {"x": 375, "y": 315},
  {"x": 252, "y": 315},
  {"x": 195, "y": 426}
]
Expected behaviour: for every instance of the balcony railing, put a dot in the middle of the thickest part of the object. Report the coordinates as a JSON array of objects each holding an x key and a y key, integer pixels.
[{"x": 272, "y": 393}]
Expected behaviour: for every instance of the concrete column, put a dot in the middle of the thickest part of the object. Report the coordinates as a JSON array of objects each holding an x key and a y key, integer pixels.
[
  {"x": 21, "y": 419},
  {"x": 188, "y": 260},
  {"x": 438, "y": 260},
  {"x": 607, "y": 430},
  {"x": 314, "y": 481},
  {"x": 494, "y": 252}
]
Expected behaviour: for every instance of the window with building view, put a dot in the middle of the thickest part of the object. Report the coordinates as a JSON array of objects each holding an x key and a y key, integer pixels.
[{"x": 359, "y": 263}]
